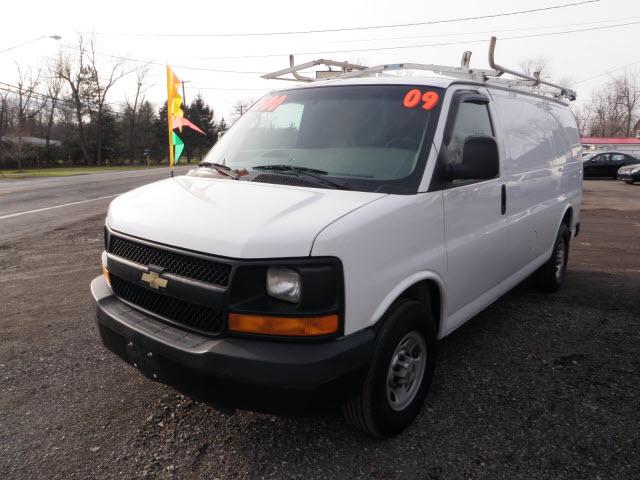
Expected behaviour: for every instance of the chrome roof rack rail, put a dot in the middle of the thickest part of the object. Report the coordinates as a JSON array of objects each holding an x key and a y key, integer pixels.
[
  {"x": 345, "y": 67},
  {"x": 564, "y": 91},
  {"x": 491, "y": 76}
]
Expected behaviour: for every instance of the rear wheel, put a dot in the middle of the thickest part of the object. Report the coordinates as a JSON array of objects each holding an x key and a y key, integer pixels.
[
  {"x": 549, "y": 277},
  {"x": 630, "y": 182},
  {"x": 400, "y": 372}
]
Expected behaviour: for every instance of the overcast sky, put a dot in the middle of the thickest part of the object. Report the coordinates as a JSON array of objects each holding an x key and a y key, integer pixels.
[{"x": 121, "y": 26}]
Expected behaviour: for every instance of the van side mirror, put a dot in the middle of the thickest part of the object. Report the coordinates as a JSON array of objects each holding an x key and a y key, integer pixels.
[{"x": 480, "y": 160}]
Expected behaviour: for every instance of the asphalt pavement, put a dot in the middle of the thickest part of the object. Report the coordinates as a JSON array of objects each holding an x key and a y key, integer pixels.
[{"x": 37, "y": 205}]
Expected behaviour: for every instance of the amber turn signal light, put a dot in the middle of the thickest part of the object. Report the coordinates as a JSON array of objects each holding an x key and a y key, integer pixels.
[
  {"x": 105, "y": 274},
  {"x": 285, "y": 326}
]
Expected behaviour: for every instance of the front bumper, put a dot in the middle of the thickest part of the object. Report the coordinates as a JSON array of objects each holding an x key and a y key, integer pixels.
[
  {"x": 227, "y": 371},
  {"x": 629, "y": 177}
]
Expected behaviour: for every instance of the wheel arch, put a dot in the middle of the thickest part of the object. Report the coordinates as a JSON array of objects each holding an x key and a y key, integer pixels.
[
  {"x": 567, "y": 217},
  {"x": 425, "y": 287}
]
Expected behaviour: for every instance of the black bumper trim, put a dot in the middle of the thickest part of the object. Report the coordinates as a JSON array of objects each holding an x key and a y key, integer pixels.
[{"x": 248, "y": 361}]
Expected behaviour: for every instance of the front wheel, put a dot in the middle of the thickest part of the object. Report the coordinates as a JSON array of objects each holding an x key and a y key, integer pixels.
[
  {"x": 549, "y": 276},
  {"x": 400, "y": 372},
  {"x": 630, "y": 182}
]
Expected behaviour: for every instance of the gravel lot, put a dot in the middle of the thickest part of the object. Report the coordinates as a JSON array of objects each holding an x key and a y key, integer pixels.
[{"x": 534, "y": 387}]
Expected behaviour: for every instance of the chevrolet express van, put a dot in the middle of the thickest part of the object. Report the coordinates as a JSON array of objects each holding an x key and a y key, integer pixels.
[{"x": 333, "y": 235}]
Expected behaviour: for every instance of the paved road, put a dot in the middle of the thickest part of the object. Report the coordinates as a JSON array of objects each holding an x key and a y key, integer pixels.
[{"x": 37, "y": 205}]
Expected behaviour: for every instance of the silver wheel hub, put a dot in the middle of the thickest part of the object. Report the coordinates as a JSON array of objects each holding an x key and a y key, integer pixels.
[{"x": 406, "y": 370}]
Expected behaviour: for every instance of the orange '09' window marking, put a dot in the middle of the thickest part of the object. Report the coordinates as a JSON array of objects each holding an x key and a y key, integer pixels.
[
  {"x": 412, "y": 98},
  {"x": 276, "y": 102},
  {"x": 429, "y": 100},
  {"x": 269, "y": 104}
]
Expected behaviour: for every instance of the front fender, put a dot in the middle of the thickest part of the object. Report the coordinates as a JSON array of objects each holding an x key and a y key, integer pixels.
[{"x": 385, "y": 247}]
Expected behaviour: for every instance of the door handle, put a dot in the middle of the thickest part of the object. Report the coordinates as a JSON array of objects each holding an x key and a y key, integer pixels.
[{"x": 503, "y": 199}]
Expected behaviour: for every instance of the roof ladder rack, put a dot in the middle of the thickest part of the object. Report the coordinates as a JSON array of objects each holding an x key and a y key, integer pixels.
[
  {"x": 320, "y": 75},
  {"x": 489, "y": 76},
  {"x": 565, "y": 92}
]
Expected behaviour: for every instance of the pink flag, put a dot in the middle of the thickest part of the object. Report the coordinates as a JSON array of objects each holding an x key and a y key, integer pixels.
[{"x": 183, "y": 122}]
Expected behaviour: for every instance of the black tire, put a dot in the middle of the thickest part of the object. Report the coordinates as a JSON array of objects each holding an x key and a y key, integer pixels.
[
  {"x": 630, "y": 182},
  {"x": 550, "y": 276},
  {"x": 370, "y": 410}
]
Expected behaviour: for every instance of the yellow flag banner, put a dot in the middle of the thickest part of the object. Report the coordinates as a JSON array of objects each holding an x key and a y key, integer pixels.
[
  {"x": 175, "y": 118},
  {"x": 173, "y": 84}
]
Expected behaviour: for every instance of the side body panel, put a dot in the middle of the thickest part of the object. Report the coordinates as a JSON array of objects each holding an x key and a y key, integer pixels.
[{"x": 545, "y": 178}]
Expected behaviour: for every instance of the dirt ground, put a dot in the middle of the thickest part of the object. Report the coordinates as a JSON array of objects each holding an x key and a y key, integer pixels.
[{"x": 534, "y": 387}]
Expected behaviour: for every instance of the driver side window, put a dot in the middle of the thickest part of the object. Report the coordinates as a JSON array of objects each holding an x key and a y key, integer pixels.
[{"x": 472, "y": 119}]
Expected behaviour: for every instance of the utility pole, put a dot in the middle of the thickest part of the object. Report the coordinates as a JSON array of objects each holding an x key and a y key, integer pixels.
[{"x": 184, "y": 97}]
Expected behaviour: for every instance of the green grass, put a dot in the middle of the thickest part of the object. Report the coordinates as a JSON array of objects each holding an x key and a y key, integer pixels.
[{"x": 65, "y": 172}]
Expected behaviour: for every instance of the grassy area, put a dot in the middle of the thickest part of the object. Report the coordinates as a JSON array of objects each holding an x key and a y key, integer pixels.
[{"x": 65, "y": 172}]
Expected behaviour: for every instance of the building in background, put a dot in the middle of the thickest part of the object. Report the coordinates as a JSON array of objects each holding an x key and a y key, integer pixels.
[{"x": 629, "y": 145}]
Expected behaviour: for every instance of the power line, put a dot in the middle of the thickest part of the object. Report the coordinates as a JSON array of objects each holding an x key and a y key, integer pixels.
[
  {"x": 54, "y": 37},
  {"x": 449, "y": 34},
  {"x": 44, "y": 97},
  {"x": 150, "y": 62},
  {"x": 223, "y": 89},
  {"x": 608, "y": 72},
  {"x": 440, "y": 44},
  {"x": 345, "y": 29}
]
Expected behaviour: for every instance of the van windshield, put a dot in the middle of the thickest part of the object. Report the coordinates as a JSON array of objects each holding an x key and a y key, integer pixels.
[{"x": 370, "y": 137}]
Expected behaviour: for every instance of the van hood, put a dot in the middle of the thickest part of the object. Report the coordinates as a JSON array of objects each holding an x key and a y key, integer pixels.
[{"x": 232, "y": 218}]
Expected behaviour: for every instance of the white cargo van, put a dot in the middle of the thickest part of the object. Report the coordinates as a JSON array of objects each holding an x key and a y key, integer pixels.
[{"x": 335, "y": 233}]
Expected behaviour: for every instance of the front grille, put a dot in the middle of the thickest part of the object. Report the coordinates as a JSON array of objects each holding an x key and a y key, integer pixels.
[
  {"x": 196, "y": 317},
  {"x": 207, "y": 271}
]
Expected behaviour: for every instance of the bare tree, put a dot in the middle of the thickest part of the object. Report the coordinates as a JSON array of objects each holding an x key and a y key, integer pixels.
[
  {"x": 583, "y": 114},
  {"x": 240, "y": 107},
  {"x": 54, "y": 90},
  {"x": 101, "y": 86},
  {"x": 626, "y": 91},
  {"x": 75, "y": 75},
  {"x": 28, "y": 105},
  {"x": 132, "y": 110},
  {"x": 607, "y": 120},
  {"x": 536, "y": 66},
  {"x": 4, "y": 117}
]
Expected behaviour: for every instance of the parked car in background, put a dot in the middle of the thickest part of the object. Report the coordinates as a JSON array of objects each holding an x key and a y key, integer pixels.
[
  {"x": 630, "y": 173},
  {"x": 606, "y": 164}
]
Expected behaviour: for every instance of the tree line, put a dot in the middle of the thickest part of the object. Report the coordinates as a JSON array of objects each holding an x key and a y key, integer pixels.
[
  {"x": 612, "y": 110},
  {"x": 62, "y": 113}
]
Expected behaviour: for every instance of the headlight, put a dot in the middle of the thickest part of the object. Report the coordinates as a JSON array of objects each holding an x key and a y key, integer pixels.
[
  {"x": 635, "y": 170},
  {"x": 284, "y": 284}
]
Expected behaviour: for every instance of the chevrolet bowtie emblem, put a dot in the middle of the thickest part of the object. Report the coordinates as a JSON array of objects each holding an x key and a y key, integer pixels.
[{"x": 154, "y": 280}]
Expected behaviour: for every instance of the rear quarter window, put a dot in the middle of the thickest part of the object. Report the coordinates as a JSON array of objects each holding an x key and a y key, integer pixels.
[
  {"x": 568, "y": 122},
  {"x": 528, "y": 131}
]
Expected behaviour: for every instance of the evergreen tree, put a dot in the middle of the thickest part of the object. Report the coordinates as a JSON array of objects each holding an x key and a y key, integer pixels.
[
  {"x": 160, "y": 148},
  {"x": 196, "y": 144}
]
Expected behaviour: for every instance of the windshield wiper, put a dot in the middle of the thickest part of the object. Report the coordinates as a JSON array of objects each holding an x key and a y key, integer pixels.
[
  {"x": 290, "y": 168},
  {"x": 304, "y": 172},
  {"x": 220, "y": 168}
]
